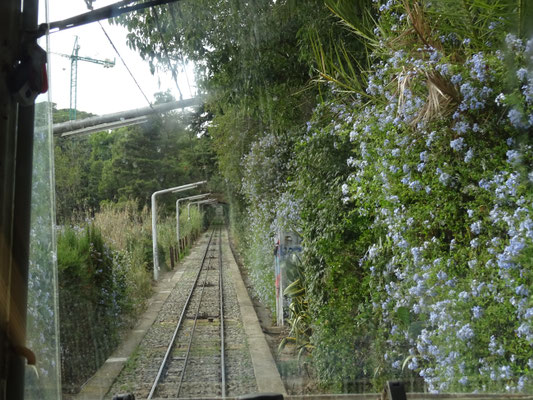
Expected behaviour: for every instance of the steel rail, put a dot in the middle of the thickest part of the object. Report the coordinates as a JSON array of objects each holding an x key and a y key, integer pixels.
[
  {"x": 172, "y": 341},
  {"x": 221, "y": 290},
  {"x": 191, "y": 336}
]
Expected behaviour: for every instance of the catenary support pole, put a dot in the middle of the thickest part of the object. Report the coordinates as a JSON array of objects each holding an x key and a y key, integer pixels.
[
  {"x": 154, "y": 219},
  {"x": 198, "y": 203},
  {"x": 197, "y": 197}
]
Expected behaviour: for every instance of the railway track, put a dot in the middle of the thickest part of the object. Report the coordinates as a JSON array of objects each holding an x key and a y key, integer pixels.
[
  {"x": 198, "y": 333},
  {"x": 197, "y": 345}
]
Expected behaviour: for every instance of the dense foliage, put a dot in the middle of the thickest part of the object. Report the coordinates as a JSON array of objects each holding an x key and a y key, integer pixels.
[
  {"x": 129, "y": 163},
  {"x": 105, "y": 275},
  {"x": 92, "y": 285},
  {"x": 103, "y": 187},
  {"x": 395, "y": 139},
  {"x": 439, "y": 194}
]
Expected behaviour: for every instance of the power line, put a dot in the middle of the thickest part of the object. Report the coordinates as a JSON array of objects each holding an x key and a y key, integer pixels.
[
  {"x": 186, "y": 75},
  {"x": 124, "y": 62},
  {"x": 172, "y": 10},
  {"x": 172, "y": 69}
]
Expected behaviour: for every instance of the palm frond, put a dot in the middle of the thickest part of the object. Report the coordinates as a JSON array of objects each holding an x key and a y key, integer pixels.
[{"x": 356, "y": 17}]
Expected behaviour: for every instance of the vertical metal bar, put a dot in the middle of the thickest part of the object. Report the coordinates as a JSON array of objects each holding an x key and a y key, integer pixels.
[
  {"x": 221, "y": 290},
  {"x": 9, "y": 38},
  {"x": 154, "y": 237},
  {"x": 178, "y": 220},
  {"x": 21, "y": 230}
]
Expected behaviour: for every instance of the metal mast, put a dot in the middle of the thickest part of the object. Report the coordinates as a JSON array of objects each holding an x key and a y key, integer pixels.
[
  {"x": 74, "y": 58},
  {"x": 74, "y": 79}
]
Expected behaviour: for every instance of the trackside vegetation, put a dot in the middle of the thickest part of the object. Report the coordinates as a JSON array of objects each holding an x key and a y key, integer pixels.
[
  {"x": 105, "y": 277},
  {"x": 394, "y": 136},
  {"x": 104, "y": 238},
  {"x": 438, "y": 201}
]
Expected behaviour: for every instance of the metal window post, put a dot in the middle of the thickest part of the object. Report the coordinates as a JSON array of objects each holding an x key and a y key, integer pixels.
[
  {"x": 16, "y": 166},
  {"x": 154, "y": 219}
]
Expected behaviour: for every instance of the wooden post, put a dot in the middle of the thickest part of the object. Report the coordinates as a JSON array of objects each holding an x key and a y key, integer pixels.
[{"x": 171, "y": 251}]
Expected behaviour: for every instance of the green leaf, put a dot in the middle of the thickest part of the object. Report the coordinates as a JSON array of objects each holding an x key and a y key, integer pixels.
[{"x": 404, "y": 316}]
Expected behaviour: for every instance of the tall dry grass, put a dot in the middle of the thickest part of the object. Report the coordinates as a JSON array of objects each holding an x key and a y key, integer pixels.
[
  {"x": 128, "y": 231},
  {"x": 121, "y": 224}
]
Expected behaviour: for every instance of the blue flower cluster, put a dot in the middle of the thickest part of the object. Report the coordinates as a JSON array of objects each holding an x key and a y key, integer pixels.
[{"x": 453, "y": 259}]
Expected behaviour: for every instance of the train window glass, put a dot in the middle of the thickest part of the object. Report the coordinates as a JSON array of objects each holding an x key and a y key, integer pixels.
[
  {"x": 380, "y": 198},
  {"x": 43, "y": 379}
]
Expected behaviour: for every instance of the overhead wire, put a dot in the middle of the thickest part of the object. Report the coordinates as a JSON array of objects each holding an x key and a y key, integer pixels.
[
  {"x": 126, "y": 65},
  {"x": 171, "y": 8},
  {"x": 89, "y": 4},
  {"x": 171, "y": 67}
]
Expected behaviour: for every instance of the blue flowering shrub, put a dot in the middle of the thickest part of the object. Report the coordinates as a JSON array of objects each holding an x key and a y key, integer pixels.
[
  {"x": 263, "y": 184},
  {"x": 411, "y": 187},
  {"x": 439, "y": 198},
  {"x": 332, "y": 235}
]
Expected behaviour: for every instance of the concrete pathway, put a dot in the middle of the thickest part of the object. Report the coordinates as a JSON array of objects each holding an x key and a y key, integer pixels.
[{"x": 265, "y": 370}]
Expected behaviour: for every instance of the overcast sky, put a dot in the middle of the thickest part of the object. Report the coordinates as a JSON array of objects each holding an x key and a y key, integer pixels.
[{"x": 102, "y": 90}]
